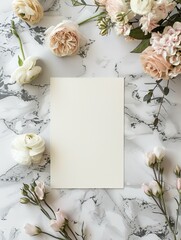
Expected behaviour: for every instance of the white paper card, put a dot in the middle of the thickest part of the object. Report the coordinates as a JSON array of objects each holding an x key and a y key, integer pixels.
[{"x": 87, "y": 116}]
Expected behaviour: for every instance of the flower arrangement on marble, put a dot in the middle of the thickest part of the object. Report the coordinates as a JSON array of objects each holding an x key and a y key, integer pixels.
[
  {"x": 27, "y": 70},
  {"x": 156, "y": 188},
  {"x": 157, "y": 23},
  {"x": 36, "y": 194}
]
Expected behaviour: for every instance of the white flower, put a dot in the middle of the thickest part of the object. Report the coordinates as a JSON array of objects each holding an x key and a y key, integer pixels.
[
  {"x": 29, "y": 11},
  {"x": 40, "y": 190},
  {"x": 32, "y": 230},
  {"x": 123, "y": 29},
  {"x": 159, "y": 153},
  {"x": 28, "y": 148},
  {"x": 141, "y": 7},
  {"x": 27, "y": 72},
  {"x": 150, "y": 158},
  {"x": 64, "y": 39},
  {"x": 146, "y": 189},
  {"x": 155, "y": 188},
  {"x": 59, "y": 223}
]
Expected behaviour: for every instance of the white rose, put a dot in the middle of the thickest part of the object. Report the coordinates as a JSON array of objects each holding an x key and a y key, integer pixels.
[
  {"x": 29, "y": 11},
  {"x": 64, "y": 39},
  {"x": 28, "y": 148},
  {"x": 27, "y": 72},
  {"x": 141, "y": 7}
]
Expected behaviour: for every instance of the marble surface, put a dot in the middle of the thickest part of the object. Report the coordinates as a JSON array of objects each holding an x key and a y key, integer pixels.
[{"x": 108, "y": 214}]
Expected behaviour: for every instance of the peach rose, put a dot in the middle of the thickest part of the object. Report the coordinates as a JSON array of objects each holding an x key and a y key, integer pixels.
[
  {"x": 64, "y": 39},
  {"x": 29, "y": 11},
  {"x": 154, "y": 64}
]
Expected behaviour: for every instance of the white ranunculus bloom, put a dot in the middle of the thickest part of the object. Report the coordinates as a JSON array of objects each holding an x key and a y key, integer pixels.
[
  {"x": 28, "y": 148},
  {"x": 141, "y": 7},
  {"x": 27, "y": 72},
  {"x": 29, "y": 11},
  {"x": 64, "y": 39}
]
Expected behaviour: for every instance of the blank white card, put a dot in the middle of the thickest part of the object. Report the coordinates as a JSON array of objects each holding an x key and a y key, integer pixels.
[{"x": 87, "y": 117}]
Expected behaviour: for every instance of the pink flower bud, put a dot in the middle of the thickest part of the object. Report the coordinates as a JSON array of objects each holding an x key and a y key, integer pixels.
[
  {"x": 179, "y": 184},
  {"x": 59, "y": 223},
  {"x": 32, "y": 230},
  {"x": 155, "y": 188},
  {"x": 146, "y": 189},
  {"x": 40, "y": 190}
]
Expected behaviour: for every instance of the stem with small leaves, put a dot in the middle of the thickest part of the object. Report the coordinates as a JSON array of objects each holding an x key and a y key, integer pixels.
[
  {"x": 13, "y": 30},
  {"x": 91, "y": 18}
]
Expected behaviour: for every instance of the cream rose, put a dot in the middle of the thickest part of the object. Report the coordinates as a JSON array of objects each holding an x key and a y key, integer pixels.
[
  {"x": 29, "y": 11},
  {"x": 28, "y": 148},
  {"x": 141, "y": 7},
  {"x": 64, "y": 39},
  {"x": 27, "y": 72},
  {"x": 155, "y": 65}
]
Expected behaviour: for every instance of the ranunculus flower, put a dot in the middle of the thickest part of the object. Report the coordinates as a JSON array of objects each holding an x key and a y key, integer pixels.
[
  {"x": 29, "y": 11},
  {"x": 28, "y": 148},
  {"x": 154, "y": 64},
  {"x": 40, "y": 190},
  {"x": 27, "y": 72},
  {"x": 159, "y": 153},
  {"x": 141, "y": 7},
  {"x": 32, "y": 230},
  {"x": 150, "y": 158},
  {"x": 59, "y": 223},
  {"x": 64, "y": 39}
]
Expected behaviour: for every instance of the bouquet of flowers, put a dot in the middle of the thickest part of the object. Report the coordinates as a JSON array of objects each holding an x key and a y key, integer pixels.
[{"x": 156, "y": 23}]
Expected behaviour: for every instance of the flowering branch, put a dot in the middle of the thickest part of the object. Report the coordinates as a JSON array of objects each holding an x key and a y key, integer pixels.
[
  {"x": 35, "y": 194},
  {"x": 156, "y": 190}
]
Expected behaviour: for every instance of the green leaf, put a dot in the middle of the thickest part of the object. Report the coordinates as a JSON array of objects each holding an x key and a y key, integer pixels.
[
  {"x": 20, "y": 61},
  {"x": 142, "y": 46},
  {"x": 166, "y": 90},
  {"x": 148, "y": 96},
  {"x": 137, "y": 33},
  {"x": 155, "y": 123}
]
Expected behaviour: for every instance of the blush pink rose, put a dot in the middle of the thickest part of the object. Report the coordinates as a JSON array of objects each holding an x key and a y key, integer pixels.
[
  {"x": 40, "y": 190},
  {"x": 59, "y": 223},
  {"x": 154, "y": 64}
]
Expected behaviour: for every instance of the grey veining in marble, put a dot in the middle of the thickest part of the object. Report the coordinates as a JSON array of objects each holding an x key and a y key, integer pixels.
[{"x": 108, "y": 214}]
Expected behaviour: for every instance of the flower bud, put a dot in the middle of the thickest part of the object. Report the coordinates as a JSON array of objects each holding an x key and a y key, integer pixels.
[
  {"x": 24, "y": 200},
  {"x": 32, "y": 230},
  {"x": 179, "y": 184},
  {"x": 159, "y": 153},
  {"x": 25, "y": 186},
  {"x": 155, "y": 188},
  {"x": 177, "y": 171},
  {"x": 24, "y": 193},
  {"x": 146, "y": 189},
  {"x": 150, "y": 159}
]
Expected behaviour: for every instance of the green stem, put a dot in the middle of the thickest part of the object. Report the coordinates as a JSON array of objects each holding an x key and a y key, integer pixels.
[
  {"x": 52, "y": 236},
  {"x": 72, "y": 232},
  {"x": 89, "y": 19},
  {"x": 49, "y": 208},
  {"x": 178, "y": 212},
  {"x": 13, "y": 30}
]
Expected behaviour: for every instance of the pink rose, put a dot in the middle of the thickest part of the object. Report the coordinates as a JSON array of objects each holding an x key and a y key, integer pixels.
[
  {"x": 40, "y": 190},
  {"x": 179, "y": 184},
  {"x": 59, "y": 223},
  {"x": 155, "y": 64}
]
